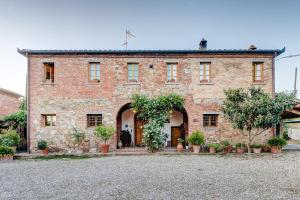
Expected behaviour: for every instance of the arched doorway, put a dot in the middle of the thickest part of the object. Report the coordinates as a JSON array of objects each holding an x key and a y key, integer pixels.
[{"x": 128, "y": 124}]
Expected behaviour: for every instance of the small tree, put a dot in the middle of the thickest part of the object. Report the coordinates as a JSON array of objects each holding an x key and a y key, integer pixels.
[
  {"x": 253, "y": 111},
  {"x": 105, "y": 133}
]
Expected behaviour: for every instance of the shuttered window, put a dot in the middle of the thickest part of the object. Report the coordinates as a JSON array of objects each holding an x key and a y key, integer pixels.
[
  {"x": 133, "y": 71},
  {"x": 49, "y": 72},
  {"x": 49, "y": 120},
  {"x": 205, "y": 71},
  {"x": 94, "y": 72},
  {"x": 258, "y": 72},
  {"x": 172, "y": 72}
]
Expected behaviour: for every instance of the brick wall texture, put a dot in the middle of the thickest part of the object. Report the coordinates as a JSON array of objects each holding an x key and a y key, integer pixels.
[
  {"x": 71, "y": 97},
  {"x": 9, "y": 103}
]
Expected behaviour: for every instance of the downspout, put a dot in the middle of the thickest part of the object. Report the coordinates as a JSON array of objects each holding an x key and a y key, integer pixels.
[
  {"x": 273, "y": 85},
  {"x": 28, "y": 103}
]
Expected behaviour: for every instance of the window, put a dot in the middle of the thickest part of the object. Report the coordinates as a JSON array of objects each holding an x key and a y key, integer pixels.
[
  {"x": 133, "y": 72},
  {"x": 210, "y": 120},
  {"x": 205, "y": 71},
  {"x": 94, "y": 72},
  {"x": 49, "y": 72},
  {"x": 94, "y": 120},
  {"x": 258, "y": 72},
  {"x": 172, "y": 72},
  {"x": 50, "y": 120}
]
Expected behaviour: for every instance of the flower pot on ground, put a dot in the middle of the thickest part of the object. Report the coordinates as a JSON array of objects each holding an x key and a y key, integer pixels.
[
  {"x": 86, "y": 146},
  {"x": 240, "y": 148},
  {"x": 179, "y": 145},
  {"x": 257, "y": 148},
  {"x": 213, "y": 147},
  {"x": 276, "y": 144},
  {"x": 104, "y": 133},
  {"x": 196, "y": 139},
  {"x": 10, "y": 138},
  {"x": 43, "y": 146},
  {"x": 6, "y": 153},
  {"x": 227, "y": 147}
]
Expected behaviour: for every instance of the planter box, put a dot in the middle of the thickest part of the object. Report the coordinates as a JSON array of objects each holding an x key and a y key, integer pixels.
[{"x": 6, "y": 157}]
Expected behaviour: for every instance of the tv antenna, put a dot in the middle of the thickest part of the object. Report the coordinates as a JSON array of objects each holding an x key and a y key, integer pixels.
[{"x": 128, "y": 35}]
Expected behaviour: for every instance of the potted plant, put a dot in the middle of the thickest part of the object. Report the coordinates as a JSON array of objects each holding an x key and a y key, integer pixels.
[
  {"x": 80, "y": 141},
  {"x": 196, "y": 139},
  {"x": 213, "y": 147},
  {"x": 10, "y": 138},
  {"x": 257, "y": 148},
  {"x": 276, "y": 144},
  {"x": 179, "y": 145},
  {"x": 240, "y": 148},
  {"x": 6, "y": 153},
  {"x": 43, "y": 145},
  {"x": 227, "y": 146},
  {"x": 104, "y": 133}
]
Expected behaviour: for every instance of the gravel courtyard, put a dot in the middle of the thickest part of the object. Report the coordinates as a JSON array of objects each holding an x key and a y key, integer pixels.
[{"x": 153, "y": 177}]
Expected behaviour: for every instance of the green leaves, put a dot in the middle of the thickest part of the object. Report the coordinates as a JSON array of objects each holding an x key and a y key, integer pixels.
[
  {"x": 104, "y": 132},
  {"x": 155, "y": 112}
]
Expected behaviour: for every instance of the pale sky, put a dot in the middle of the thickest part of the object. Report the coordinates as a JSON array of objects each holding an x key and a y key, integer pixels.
[{"x": 157, "y": 24}]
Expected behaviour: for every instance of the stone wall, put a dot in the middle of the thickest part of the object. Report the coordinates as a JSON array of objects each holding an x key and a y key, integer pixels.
[{"x": 71, "y": 97}]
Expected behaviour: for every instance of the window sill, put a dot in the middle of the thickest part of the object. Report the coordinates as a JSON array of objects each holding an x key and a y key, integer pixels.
[
  {"x": 48, "y": 83},
  {"x": 171, "y": 83},
  {"x": 210, "y": 128},
  {"x": 258, "y": 83},
  {"x": 132, "y": 83},
  {"x": 96, "y": 83},
  {"x": 205, "y": 83}
]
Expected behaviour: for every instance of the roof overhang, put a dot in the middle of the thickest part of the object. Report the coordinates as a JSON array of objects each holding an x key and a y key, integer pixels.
[{"x": 25, "y": 52}]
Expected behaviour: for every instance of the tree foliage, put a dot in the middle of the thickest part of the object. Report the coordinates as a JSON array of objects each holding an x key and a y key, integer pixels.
[
  {"x": 253, "y": 111},
  {"x": 18, "y": 119},
  {"x": 154, "y": 112}
]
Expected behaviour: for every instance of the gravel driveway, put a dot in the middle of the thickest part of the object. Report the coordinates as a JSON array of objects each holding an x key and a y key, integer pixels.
[{"x": 154, "y": 177}]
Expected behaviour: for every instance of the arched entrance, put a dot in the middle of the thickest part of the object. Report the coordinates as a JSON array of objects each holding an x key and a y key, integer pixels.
[{"x": 130, "y": 128}]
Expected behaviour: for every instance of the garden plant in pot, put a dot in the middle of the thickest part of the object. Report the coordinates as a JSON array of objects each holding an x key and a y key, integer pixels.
[
  {"x": 240, "y": 148},
  {"x": 196, "y": 139},
  {"x": 257, "y": 148},
  {"x": 276, "y": 144},
  {"x": 10, "y": 138},
  {"x": 6, "y": 153},
  {"x": 43, "y": 145},
  {"x": 180, "y": 145},
  {"x": 227, "y": 147},
  {"x": 213, "y": 147},
  {"x": 104, "y": 133}
]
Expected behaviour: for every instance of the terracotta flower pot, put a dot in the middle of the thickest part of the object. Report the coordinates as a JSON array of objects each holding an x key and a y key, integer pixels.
[
  {"x": 86, "y": 146},
  {"x": 45, "y": 151},
  {"x": 196, "y": 148},
  {"x": 257, "y": 150},
  {"x": 212, "y": 150},
  {"x": 6, "y": 157},
  {"x": 179, "y": 147},
  {"x": 104, "y": 148},
  {"x": 275, "y": 149},
  {"x": 240, "y": 150},
  {"x": 227, "y": 149}
]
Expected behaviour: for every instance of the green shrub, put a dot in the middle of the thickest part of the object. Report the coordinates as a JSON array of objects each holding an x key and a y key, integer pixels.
[
  {"x": 240, "y": 145},
  {"x": 214, "y": 145},
  {"x": 256, "y": 146},
  {"x": 277, "y": 141},
  {"x": 104, "y": 133},
  {"x": 4, "y": 150},
  {"x": 285, "y": 136},
  {"x": 196, "y": 138},
  {"x": 10, "y": 138},
  {"x": 42, "y": 144},
  {"x": 225, "y": 143}
]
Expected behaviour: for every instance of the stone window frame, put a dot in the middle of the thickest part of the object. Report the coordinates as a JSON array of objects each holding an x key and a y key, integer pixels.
[
  {"x": 255, "y": 64},
  {"x": 97, "y": 118},
  {"x": 95, "y": 80},
  {"x": 49, "y": 120}
]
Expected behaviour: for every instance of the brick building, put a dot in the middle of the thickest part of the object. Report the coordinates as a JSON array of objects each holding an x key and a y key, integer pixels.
[
  {"x": 83, "y": 88},
  {"x": 9, "y": 102}
]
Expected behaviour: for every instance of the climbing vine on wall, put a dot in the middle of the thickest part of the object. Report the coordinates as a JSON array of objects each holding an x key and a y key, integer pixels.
[{"x": 155, "y": 112}]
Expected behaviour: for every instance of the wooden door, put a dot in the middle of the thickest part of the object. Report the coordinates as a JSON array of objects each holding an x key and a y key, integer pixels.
[
  {"x": 175, "y": 135},
  {"x": 138, "y": 132}
]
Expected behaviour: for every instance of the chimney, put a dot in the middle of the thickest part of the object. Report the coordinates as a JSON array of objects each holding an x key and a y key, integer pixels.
[
  {"x": 203, "y": 44},
  {"x": 252, "y": 47}
]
